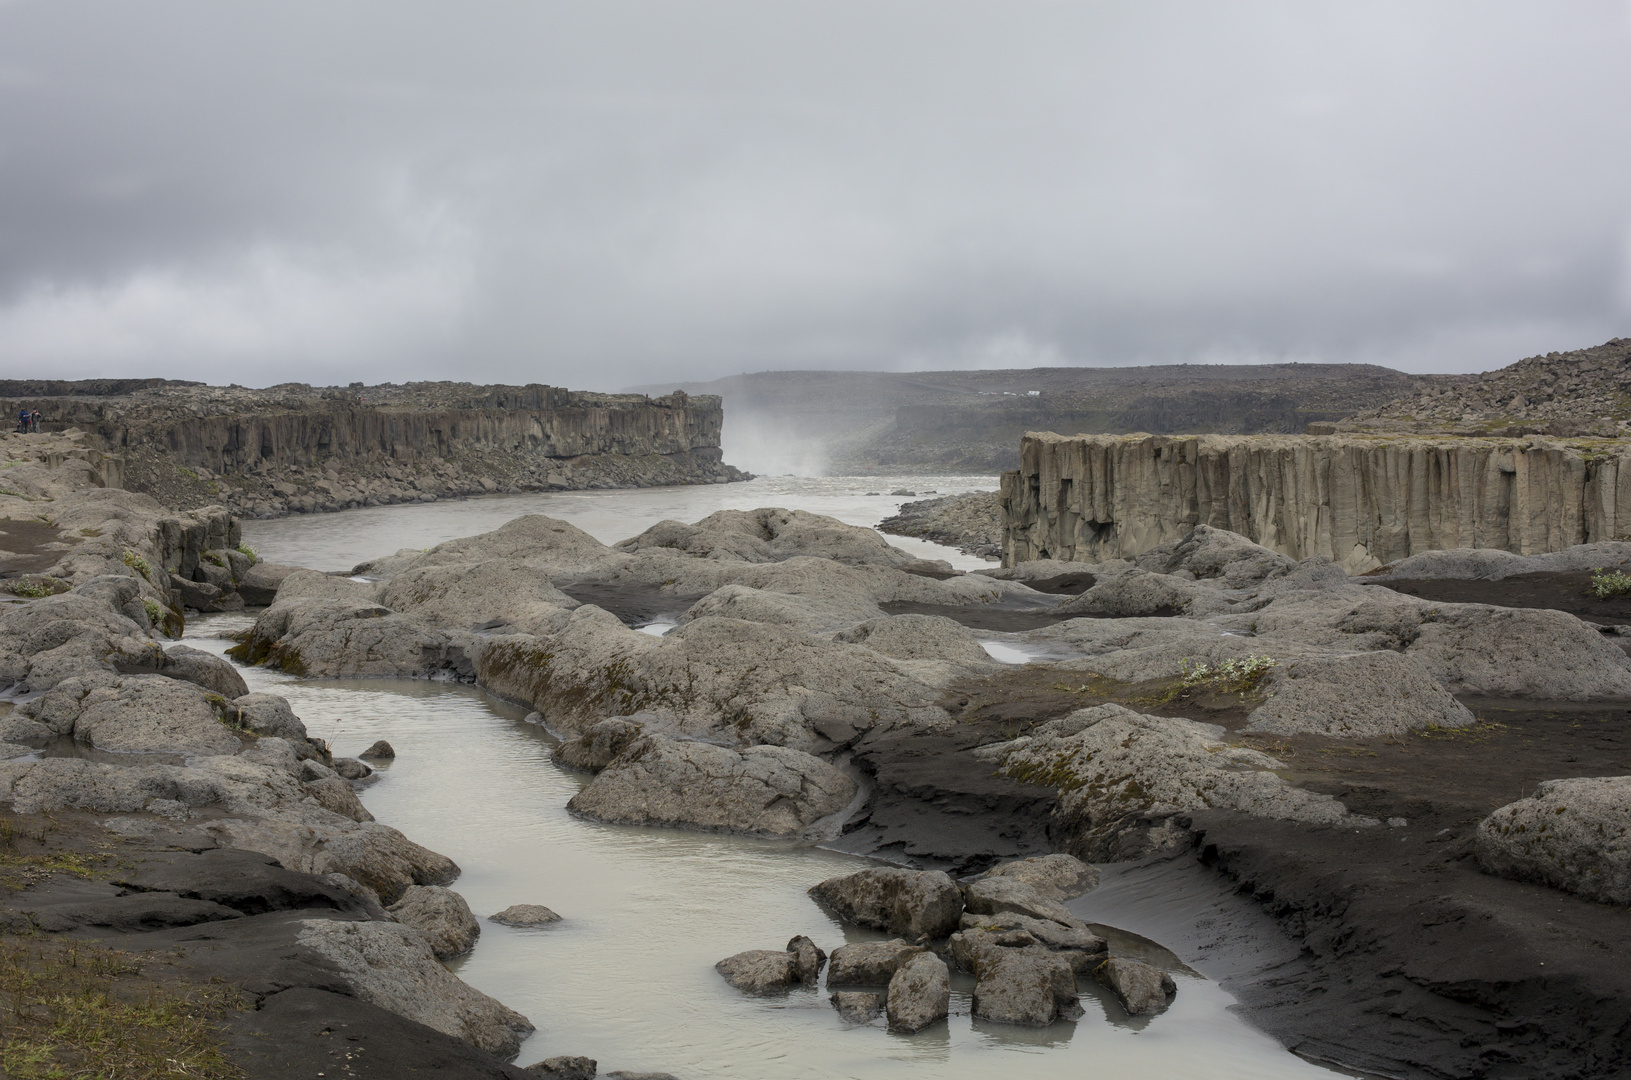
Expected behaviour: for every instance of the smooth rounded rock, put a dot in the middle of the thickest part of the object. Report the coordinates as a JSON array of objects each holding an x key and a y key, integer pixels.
[
  {"x": 1056, "y": 877},
  {"x": 913, "y": 903},
  {"x": 525, "y": 916},
  {"x": 857, "y": 1006},
  {"x": 919, "y": 994},
  {"x": 441, "y": 915},
  {"x": 1572, "y": 834},
  {"x": 759, "y": 971},
  {"x": 383, "y": 751},
  {"x": 869, "y": 963},
  {"x": 1141, "y": 988}
]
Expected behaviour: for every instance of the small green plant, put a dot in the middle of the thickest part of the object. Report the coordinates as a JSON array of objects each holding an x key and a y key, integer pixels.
[
  {"x": 90, "y": 532},
  {"x": 155, "y": 614},
  {"x": 138, "y": 564},
  {"x": 245, "y": 549},
  {"x": 33, "y": 590},
  {"x": 1607, "y": 583},
  {"x": 1237, "y": 676},
  {"x": 214, "y": 558}
]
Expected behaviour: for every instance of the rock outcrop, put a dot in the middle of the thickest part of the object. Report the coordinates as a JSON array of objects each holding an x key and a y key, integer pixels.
[
  {"x": 916, "y": 904},
  {"x": 1360, "y": 501},
  {"x": 1572, "y": 834},
  {"x": 772, "y": 790},
  {"x": 919, "y": 994},
  {"x": 293, "y": 448}
]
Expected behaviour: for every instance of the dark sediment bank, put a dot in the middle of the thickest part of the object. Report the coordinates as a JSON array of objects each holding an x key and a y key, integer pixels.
[{"x": 1561, "y": 590}]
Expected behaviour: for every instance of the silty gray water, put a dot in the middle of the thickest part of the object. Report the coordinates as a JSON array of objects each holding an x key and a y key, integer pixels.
[{"x": 627, "y": 977}]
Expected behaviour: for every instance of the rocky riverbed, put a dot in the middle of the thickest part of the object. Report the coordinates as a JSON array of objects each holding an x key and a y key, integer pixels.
[{"x": 1365, "y": 762}]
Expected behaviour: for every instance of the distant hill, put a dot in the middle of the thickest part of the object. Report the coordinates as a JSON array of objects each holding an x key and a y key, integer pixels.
[
  {"x": 971, "y": 421},
  {"x": 1583, "y": 392}
]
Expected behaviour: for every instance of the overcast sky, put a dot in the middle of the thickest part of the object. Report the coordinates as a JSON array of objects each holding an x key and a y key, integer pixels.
[{"x": 606, "y": 193}]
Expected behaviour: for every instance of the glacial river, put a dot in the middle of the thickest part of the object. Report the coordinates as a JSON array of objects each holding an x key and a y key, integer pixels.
[{"x": 627, "y": 977}]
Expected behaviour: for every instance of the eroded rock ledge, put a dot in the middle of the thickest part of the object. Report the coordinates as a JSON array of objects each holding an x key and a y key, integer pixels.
[
  {"x": 296, "y": 448},
  {"x": 1359, "y": 500}
]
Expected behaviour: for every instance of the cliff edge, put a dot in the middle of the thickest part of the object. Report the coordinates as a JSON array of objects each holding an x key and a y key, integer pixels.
[{"x": 296, "y": 448}]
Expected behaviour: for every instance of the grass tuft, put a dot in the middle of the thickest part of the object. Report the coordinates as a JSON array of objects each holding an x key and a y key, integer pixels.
[
  {"x": 76, "y": 1009},
  {"x": 1607, "y": 583}
]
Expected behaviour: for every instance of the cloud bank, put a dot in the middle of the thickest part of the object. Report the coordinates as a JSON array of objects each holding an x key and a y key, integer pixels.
[{"x": 619, "y": 193}]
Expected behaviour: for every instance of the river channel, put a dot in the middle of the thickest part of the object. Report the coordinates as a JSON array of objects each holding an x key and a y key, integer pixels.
[{"x": 627, "y": 976}]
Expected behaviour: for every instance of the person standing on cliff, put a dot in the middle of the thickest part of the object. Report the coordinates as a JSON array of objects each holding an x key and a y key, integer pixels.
[
  {"x": 22, "y": 421},
  {"x": 34, "y": 421}
]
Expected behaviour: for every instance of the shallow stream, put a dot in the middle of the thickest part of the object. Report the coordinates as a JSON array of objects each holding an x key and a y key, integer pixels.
[{"x": 627, "y": 977}]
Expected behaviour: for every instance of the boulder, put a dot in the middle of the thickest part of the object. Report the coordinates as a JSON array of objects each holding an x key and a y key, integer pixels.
[
  {"x": 760, "y": 971},
  {"x": 1355, "y": 697},
  {"x": 337, "y": 796},
  {"x": 500, "y": 595},
  {"x": 919, "y": 993},
  {"x": 202, "y": 596},
  {"x": 1133, "y": 592},
  {"x": 382, "y": 751},
  {"x": 1122, "y": 776},
  {"x": 525, "y": 916},
  {"x": 770, "y": 790},
  {"x": 1572, "y": 834},
  {"x": 595, "y": 748},
  {"x": 259, "y": 585},
  {"x": 203, "y": 669},
  {"x": 857, "y": 1007},
  {"x": 346, "y": 635},
  {"x": 564, "y": 1068},
  {"x": 996, "y": 895},
  {"x": 1141, "y": 988},
  {"x": 268, "y": 714},
  {"x": 808, "y": 959},
  {"x": 1057, "y": 877},
  {"x": 869, "y": 963},
  {"x": 1028, "y": 986},
  {"x": 392, "y": 966},
  {"x": 441, "y": 915},
  {"x": 1045, "y": 931},
  {"x": 918, "y": 637},
  {"x": 351, "y": 768},
  {"x": 134, "y": 714},
  {"x": 916, "y": 904}
]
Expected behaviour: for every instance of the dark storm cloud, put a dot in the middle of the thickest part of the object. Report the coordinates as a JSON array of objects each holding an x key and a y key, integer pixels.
[{"x": 612, "y": 193}]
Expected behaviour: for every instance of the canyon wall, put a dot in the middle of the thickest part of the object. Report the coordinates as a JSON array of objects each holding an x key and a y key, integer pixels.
[
  {"x": 293, "y": 447},
  {"x": 1360, "y": 500}
]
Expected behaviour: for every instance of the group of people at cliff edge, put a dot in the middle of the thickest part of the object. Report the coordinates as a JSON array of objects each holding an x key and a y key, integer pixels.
[{"x": 28, "y": 420}]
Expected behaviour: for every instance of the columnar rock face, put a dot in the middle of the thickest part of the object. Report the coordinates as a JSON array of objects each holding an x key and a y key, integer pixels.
[
  {"x": 288, "y": 445},
  {"x": 1361, "y": 501}
]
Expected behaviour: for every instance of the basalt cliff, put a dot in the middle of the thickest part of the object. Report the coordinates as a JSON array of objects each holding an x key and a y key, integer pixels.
[
  {"x": 295, "y": 448},
  {"x": 1359, "y": 500}
]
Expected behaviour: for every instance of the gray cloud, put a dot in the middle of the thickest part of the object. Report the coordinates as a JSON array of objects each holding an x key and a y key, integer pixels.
[{"x": 613, "y": 193}]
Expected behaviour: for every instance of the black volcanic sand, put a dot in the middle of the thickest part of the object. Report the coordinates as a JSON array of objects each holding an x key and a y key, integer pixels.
[
  {"x": 634, "y": 605},
  {"x": 1383, "y": 949},
  {"x": 197, "y": 916},
  {"x": 24, "y": 544},
  {"x": 1561, "y": 590}
]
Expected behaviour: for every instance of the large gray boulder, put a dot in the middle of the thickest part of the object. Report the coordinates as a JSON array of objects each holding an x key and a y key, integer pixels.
[
  {"x": 1360, "y": 696},
  {"x": 564, "y": 1067},
  {"x": 392, "y": 966},
  {"x": 996, "y": 895},
  {"x": 525, "y": 916},
  {"x": 134, "y": 714},
  {"x": 1572, "y": 834},
  {"x": 770, "y": 790},
  {"x": 760, "y": 971},
  {"x": 203, "y": 669},
  {"x": 1057, "y": 877},
  {"x": 1123, "y": 775},
  {"x": 869, "y": 963},
  {"x": 857, "y": 1007},
  {"x": 598, "y": 746},
  {"x": 441, "y": 915},
  {"x": 501, "y": 595},
  {"x": 916, "y": 904},
  {"x": 1075, "y": 939},
  {"x": 1141, "y": 988},
  {"x": 1027, "y": 986},
  {"x": 919, "y": 993},
  {"x": 259, "y": 584},
  {"x": 267, "y": 714},
  {"x": 349, "y": 635}
]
